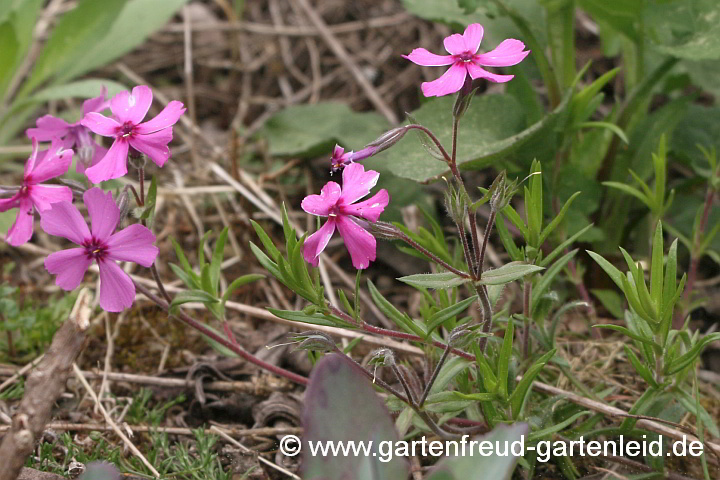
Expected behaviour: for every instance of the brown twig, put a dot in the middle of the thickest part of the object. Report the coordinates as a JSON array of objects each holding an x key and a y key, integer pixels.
[{"x": 43, "y": 388}]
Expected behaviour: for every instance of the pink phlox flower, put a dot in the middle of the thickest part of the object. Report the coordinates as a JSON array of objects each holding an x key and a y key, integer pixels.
[
  {"x": 338, "y": 205},
  {"x": 74, "y": 135},
  {"x": 129, "y": 131},
  {"x": 340, "y": 158},
  {"x": 465, "y": 60},
  {"x": 101, "y": 244},
  {"x": 32, "y": 195}
]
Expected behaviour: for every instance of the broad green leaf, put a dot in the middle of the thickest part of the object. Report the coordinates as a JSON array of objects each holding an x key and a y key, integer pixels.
[
  {"x": 8, "y": 54},
  {"x": 491, "y": 130},
  {"x": 130, "y": 28},
  {"x": 447, "y": 12},
  {"x": 68, "y": 41},
  {"x": 311, "y": 130},
  {"x": 462, "y": 467},
  {"x": 340, "y": 405},
  {"x": 688, "y": 29},
  {"x": 434, "y": 280},
  {"x": 507, "y": 273}
]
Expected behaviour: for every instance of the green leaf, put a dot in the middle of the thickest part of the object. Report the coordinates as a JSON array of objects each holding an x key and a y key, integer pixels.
[
  {"x": 266, "y": 241},
  {"x": 496, "y": 467},
  {"x": 312, "y": 130},
  {"x": 491, "y": 130},
  {"x": 630, "y": 190},
  {"x": 68, "y": 41},
  {"x": 640, "y": 367},
  {"x": 689, "y": 403},
  {"x": 504, "y": 358},
  {"x": 561, "y": 248},
  {"x": 615, "y": 274},
  {"x": 448, "y": 372},
  {"x": 401, "y": 320},
  {"x": 558, "y": 218},
  {"x": 548, "y": 277},
  {"x": 440, "y": 317},
  {"x": 312, "y": 319},
  {"x": 190, "y": 281},
  {"x": 8, "y": 54},
  {"x": 541, "y": 434},
  {"x": 217, "y": 258},
  {"x": 656, "y": 268},
  {"x": 608, "y": 126},
  {"x": 340, "y": 405},
  {"x": 507, "y": 240},
  {"x": 520, "y": 394},
  {"x": 628, "y": 333},
  {"x": 181, "y": 256},
  {"x": 434, "y": 280},
  {"x": 130, "y": 28},
  {"x": 239, "y": 282},
  {"x": 688, "y": 30},
  {"x": 611, "y": 300},
  {"x": 187, "y": 296},
  {"x": 689, "y": 357},
  {"x": 507, "y": 273},
  {"x": 85, "y": 88}
]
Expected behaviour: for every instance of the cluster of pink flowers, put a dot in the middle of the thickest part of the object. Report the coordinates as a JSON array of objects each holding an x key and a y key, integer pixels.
[
  {"x": 59, "y": 217},
  {"x": 337, "y": 203}
]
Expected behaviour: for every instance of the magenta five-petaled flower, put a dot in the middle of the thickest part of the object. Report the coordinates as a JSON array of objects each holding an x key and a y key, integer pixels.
[
  {"x": 41, "y": 166},
  {"x": 101, "y": 245},
  {"x": 129, "y": 131},
  {"x": 340, "y": 158},
  {"x": 74, "y": 135},
  {"x": 465, "y": 60},
  {"x": 338, "y": 205}
]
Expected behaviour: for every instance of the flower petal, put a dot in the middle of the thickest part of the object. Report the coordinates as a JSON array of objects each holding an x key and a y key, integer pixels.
[
  {"x": 450, "y": 81},
  {"x": 133, "y": 244},
  {"x": 473, "y": 36},
  {"x": 69, "y": 266},
  {"x": 104, "y": 213},
  {"x": 112, "y": 165},
  {"x": 455, "y": 44},
  {"x": 316, "y": 243},
  {"x": 321, "y": 204},
  {"x": 359, "y": 242},
  {"x": 476, "y": 71},
  {"x": 369, "y": 209},
  {"x": 64, "y": 220},
  {"x": 8, "y": 203},
  {"x": 96, "y": 104},
  {"x": 32, "y": 159},
  {"x": 48, "y": 127},
  {"x": 133, "y": 107},
  {"x": 43, "y": 196},
  {"x": 166, "y": 118},
  {"x": 117, "y": 291},
  {"x": 509, "y": 52},
  {"x": 357, "y": 183},
  {"x": 420, "y": 56},
  {"x": 100, "y": 124},
  {"x": 55, "y": 162},
  {"x": 21, "y": 231},
  {"x": 154, "y": 145}
]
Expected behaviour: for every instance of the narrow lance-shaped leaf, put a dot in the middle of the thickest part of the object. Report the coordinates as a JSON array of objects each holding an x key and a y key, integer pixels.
[
  {"x": 434, "y": 280},
  {"x": 508, "y": 273}
]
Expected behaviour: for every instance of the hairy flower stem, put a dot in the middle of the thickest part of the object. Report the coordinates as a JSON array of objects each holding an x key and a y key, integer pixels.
[
  {"x": 486, "y": 237},
  {"x": 434, "y": 376},
  {"x": 486, "y": 309},
  {"x": 404, "y": 384},
  {"x": 466, "y": 249},
  {"x": 475, "y": 245},
  {"x": 394, "y": 334},
  {"x": 402, "y": 236},
  {"x": 191, "y": 322}
]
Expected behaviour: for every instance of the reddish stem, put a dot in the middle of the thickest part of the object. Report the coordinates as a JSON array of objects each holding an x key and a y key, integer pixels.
[{"x": 189, "y": 321}]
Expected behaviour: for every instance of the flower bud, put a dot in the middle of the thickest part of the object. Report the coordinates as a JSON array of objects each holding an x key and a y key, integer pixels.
[
  {"x": 314, "y": 340},
  {"x": 123, "y": 203},
  {"x": 383, "y": 357}
]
